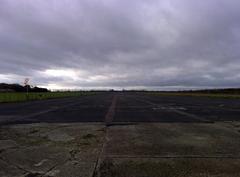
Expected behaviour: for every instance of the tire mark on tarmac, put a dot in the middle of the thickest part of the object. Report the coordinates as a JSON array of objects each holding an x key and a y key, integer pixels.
[{"x": 192, "y": 116}]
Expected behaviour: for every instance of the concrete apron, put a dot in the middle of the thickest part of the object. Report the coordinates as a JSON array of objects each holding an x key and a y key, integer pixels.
[
  {"x": 126, "y": 150},
  {"x": 34, "y": 150}
]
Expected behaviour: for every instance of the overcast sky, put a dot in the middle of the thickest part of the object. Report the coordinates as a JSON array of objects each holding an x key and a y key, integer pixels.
[{"x": 120, "y": 43}]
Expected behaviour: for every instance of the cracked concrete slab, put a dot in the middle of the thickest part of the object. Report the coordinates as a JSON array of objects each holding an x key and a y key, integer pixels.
[
  {"x": 38, "y": 159},
  {"x": 8, "y": 170},
  {"x": 173, "y": 139},
  {"x": 7, "y": 144},
  {"x": 50, "y": 149},
  {"x": 75, "y": 168},
  {"x": 127, "y": 150},
  {"x": 147, "y": 167},
  {"x": 171, "y": 150}
]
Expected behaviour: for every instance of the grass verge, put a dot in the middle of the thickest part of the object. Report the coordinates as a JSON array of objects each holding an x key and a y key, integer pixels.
[
  {"x": 19, "y": 97},
  {"x": 211, "y": 95}
]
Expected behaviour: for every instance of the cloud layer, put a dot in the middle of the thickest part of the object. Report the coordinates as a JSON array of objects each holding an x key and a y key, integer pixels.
[{"x": 121, "y": 43}]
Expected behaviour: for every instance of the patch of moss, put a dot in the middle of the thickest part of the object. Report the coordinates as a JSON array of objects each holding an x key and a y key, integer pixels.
[
  {"x": 32, "y": 141},
  {"x": 88, "y": 136},
  {"x": 33, "y": 131}
]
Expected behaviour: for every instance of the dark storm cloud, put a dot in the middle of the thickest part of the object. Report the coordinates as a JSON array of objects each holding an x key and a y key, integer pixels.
[{"x": 106, "y": 43}]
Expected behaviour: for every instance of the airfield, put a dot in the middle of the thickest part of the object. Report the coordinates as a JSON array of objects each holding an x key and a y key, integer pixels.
[{"x": 121, "y": 134}]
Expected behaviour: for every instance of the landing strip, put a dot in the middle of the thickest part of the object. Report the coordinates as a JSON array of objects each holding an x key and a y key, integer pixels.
[{"x": 122, "y": 135}]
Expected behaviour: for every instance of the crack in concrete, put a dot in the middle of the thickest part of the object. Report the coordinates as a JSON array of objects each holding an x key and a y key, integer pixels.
[
  {"x": 108, "y": 119},
  {"x": 54, "y": 166},
  {"x": 101, "y": 155},
  {"x": 32, "y": 173},
  {"x": 14, "y": 165}
]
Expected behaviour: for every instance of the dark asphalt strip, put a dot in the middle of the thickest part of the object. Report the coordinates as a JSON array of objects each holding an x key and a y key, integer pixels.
[
  {"x": 30, "y": 117},
  {"x": 32, "y": 104}
]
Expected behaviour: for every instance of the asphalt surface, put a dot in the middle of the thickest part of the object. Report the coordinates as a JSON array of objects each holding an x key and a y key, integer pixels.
[{"x": 127, "y": 108}]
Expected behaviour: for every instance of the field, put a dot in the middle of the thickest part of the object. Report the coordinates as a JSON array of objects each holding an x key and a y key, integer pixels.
[
  {"x": 19, "y": 97},
  {"x": 212, "y": 95}
]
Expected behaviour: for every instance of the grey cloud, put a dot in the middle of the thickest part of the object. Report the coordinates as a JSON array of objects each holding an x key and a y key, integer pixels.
[{"x": 121, "y": 43}]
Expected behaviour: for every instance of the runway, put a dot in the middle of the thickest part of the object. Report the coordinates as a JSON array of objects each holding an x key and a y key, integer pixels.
[{"x": 129, "y": 107}]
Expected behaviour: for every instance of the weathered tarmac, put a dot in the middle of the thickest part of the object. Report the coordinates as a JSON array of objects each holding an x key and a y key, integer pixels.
[{"x": 121, "y": 135}]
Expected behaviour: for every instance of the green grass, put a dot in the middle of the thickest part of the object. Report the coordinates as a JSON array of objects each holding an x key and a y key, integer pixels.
[
  {"x": 19, "y": 97},
  {"x": 211, "y": 95}
]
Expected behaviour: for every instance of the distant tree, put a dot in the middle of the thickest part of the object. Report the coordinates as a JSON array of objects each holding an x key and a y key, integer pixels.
[{"x": 18, "y": 88}]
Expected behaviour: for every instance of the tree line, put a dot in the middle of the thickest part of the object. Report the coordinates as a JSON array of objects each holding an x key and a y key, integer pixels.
[{"x": 19, "y": 88}]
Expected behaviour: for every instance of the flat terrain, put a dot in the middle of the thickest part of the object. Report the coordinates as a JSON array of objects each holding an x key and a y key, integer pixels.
[
  {"x": 130, "y": 107},
  {"x": 23, "y": 96},
  {"x": 121, "y": 134}
]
